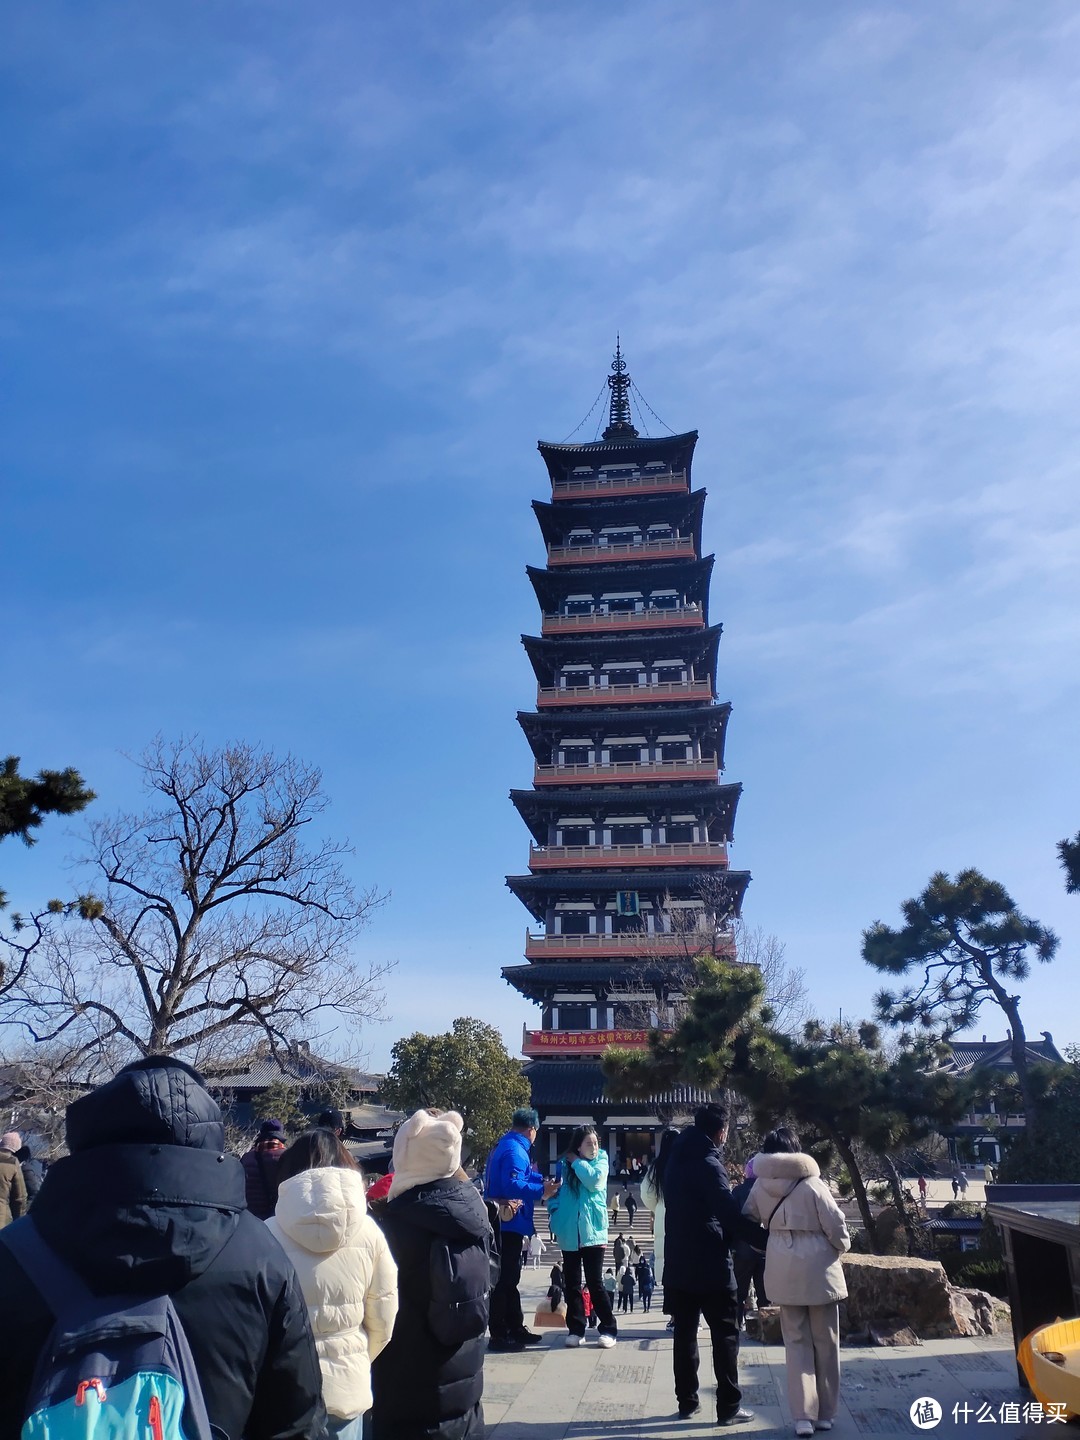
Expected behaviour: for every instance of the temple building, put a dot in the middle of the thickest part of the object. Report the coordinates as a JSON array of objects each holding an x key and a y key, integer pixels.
[{"x": 629, "y": 871}]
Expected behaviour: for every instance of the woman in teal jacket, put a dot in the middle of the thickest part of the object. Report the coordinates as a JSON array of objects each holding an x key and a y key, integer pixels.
[{"x": 579, "y": 1222}]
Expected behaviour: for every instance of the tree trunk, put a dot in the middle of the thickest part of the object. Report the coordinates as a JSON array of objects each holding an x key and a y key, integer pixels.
[
  {"x": 1019, "y": 1059},
  {"x": 895, "y": 1185},
  {"x": 861, "y": 1197}
]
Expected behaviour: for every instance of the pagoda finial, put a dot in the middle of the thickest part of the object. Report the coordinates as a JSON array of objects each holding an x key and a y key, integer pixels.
[{"x": 620, "y": 421}]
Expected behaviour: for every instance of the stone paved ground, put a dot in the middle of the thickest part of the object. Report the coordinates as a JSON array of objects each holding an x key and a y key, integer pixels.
[{"x": 551, "y": 1393}]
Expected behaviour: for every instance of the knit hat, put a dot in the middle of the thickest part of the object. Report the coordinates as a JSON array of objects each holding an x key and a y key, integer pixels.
[
  {"x": 271, "y": 1130},
  {"x": 426, "y": 1148},
  {"x": 11, "y": 1141}
]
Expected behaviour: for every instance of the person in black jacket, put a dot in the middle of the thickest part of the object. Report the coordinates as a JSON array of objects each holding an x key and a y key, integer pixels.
[
  {"x": 260, "y": 1168},
  {"x": 148, "y": 1203},
  {"x": 429, "y": 1380},
  {"x": 702, "y": 1224},
  {"x": 749, "y": 1263}
]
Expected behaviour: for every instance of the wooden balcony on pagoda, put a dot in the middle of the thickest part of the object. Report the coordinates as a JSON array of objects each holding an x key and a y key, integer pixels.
[
  {"x": 662, "y": 690},
  {"x": 627, "y": 771},
  {"x": 627, "y": 857},
  {"x": 673, "y": 547},
  {"x": 656, "y": 619},
  {"x": 633, "y": 942},
  {"x": 596, "y": 487}
]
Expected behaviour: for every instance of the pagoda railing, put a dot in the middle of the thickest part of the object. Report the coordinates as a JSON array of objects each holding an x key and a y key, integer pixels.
[
  {"x": 703, "y": 769},
  {"x": 622, "y": 694},
  {"x": 656, "y": 619},
  {"x": 617, "y": 947},
  {"x": 565, "y": 857},
  {"x": 596, "y": 486},
  {"x": 673, "y": 547}
]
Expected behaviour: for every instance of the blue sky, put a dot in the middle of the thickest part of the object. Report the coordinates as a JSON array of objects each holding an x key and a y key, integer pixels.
[{"x": 291, "y": 292}]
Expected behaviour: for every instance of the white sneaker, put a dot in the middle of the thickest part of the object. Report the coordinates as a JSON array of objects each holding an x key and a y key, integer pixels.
[
  {"x": 823, "y": 1424},
  {"x": 804, "y": 1427},
  {"x": 606, "y": 1341},
  {"x": 573, "y": 1340}
]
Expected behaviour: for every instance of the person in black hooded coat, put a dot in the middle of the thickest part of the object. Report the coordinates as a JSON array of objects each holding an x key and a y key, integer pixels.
[
  {"x": 428, "y": 1382},
  {"x": 148, "y": 1203}
]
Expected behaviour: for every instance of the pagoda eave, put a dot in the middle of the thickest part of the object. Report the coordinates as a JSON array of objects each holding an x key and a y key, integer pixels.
[{"x": 535, "y": 890}]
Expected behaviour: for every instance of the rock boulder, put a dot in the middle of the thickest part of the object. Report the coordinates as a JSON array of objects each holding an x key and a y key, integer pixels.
[{"x": 887, "y": 1289}]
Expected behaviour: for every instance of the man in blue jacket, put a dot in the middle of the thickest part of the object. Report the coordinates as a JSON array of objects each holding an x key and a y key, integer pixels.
[{"x": 511, "y": 1175}]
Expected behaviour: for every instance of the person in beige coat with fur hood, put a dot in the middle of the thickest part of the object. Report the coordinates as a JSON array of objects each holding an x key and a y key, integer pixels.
[
  {"x": 346, "y": 1272},
  {"x": 803, "y": 1275}
]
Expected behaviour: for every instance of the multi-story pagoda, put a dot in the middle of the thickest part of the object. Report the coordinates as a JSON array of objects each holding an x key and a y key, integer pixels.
[{"x": 629, "y": 873}]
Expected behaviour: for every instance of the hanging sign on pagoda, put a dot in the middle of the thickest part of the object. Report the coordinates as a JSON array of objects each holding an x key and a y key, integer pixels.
[{"x": 590, "y": 1041}]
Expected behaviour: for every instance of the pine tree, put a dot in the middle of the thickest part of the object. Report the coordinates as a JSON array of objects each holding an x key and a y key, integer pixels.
[{"x": 964, "y": 941}]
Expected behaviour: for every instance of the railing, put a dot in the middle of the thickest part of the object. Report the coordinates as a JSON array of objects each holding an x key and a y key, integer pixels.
[
  {"x": 673, "y": 547},
  {"x": 703, "y": 769},
  {"x": 656, "y": 619},
  {"x": 704, "y": 852},
  {"x": 621, "y": 694},
  {"x": 583, "y": 486},
  {"x": 615, "y": 947}
]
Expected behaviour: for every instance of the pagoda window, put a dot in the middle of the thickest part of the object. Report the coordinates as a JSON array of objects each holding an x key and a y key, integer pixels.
[
  {"x": 580, "y": 537},
  {"x": 664, "y": 600},
  {"x": 574, "y": 1017},
  {"x": 577, "y": 605},
  {"x": 575, "y": 677},
  {"x": 620, "y": 535},
  {"x": 573, "y": 922},
  {"x": 674, "y": 749},
  {"x": 680, "y": 833},
  {"x": 632, "y": 834},
  {"x": 625, "y": 602},
  {"x": 661, "y": 532},
  {"x": 627, "y": 925},
  {"x": 575, "y": 752},
  {"x": 624, "y": 677},
  {"x": 623, "y": 754},
  {"x": 574, "y": 835}
]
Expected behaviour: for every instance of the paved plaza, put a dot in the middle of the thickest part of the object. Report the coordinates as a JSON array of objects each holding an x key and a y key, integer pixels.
[{"x": 549, "y": 1392}]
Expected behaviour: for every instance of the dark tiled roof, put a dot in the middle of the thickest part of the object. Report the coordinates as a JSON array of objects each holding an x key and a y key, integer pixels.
[
  {"x": 570, "y": 973},
  {"x": 995, "y": 1054},
  {"x": 297, "y": 1068},
  {"x": 532, "y": 890},
  {"x": 580, "y": 1084},
  {"x": 957, "y": 1225}
]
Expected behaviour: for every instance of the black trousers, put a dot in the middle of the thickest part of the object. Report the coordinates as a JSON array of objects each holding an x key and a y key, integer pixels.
[
  {"x": 720, "y": 1309},
  {"x": 749, "y": 1265},
  {"x": 591, "y": 1261},
  {"x": 505, "y": 1320}
]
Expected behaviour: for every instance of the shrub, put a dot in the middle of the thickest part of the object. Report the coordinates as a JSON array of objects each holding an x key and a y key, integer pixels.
[{"x": 986, "y": 1275}]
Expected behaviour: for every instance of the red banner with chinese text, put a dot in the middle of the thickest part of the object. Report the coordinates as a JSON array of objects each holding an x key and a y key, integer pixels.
[{"x": 583, "y": 1039}]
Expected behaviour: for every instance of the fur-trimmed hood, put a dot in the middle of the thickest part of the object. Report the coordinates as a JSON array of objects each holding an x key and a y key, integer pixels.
[{"x": 779, "y": 1171}]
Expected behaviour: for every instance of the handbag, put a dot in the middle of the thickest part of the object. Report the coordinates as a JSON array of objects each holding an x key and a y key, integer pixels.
[{"x": 506, "y": 1209}]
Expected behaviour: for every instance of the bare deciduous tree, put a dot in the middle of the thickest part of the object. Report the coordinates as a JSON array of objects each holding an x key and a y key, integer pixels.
[
  {"x": 209, "y": 922},
  {"x": 785, "y": 992}
]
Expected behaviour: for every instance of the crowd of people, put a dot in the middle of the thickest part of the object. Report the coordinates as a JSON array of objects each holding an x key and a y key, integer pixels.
[{"x": 314, "y": 1303}]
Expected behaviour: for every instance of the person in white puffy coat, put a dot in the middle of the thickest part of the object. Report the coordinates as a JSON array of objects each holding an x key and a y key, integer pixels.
[
  {"x": 346, "y": 1272},
  {"x": 803, "y": 1274}
]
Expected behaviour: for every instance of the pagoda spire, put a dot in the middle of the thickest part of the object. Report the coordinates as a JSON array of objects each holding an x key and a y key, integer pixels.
[{"x": 620, "y": 422}]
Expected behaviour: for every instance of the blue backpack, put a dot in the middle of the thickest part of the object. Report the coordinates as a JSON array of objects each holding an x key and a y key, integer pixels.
[{"x": 115, "y": 1367}]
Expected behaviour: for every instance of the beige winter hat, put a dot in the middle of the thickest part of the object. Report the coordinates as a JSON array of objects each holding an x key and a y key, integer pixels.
[{"x": 426, "y": 1148}]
